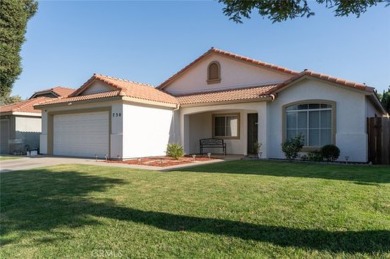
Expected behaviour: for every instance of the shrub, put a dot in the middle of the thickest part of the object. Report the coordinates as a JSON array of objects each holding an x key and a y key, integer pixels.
[
  {"x": 315, "y": 156},
  {"x": 304, "y": 157},
  {"x": 257, "y": 147},
  {"x": 330, "y": 152},
  {"x": 292, "y": 146},
  {"x": 175, "y": 151}
]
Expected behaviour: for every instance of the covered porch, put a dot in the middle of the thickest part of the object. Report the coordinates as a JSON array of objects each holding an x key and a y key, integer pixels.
[{"x": 240, "y": 125}]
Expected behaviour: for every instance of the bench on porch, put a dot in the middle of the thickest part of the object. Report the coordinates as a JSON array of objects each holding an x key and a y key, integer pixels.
[{"x": 212, "y": 143}]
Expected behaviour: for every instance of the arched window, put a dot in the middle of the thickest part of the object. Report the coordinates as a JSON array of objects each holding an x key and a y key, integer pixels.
[
  {"x": 214, "y": 73},
  {"x": 314, "y": 120}
]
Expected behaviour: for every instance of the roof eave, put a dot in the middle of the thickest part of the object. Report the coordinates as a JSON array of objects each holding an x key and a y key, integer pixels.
[
  {"x": 375, "y": 101},
  {"x": 267, "y": 98},
  {"x": 302, "y": 77},
  {"x": 149, "y": 102},
  {"x": 17, "y": 113},
  {"x": 77, "y": 102}
]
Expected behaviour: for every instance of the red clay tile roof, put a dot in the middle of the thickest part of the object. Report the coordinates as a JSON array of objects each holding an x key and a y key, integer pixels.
[
  {"x": 230, "y": 55},
  {"x": 82, "y": 98},
  {"x": 24, "y": 106},
  {"x": 262, "y": 91},
  {"x": 227, "y": 95},
  {"x": 122, "y": 88},
  {"x": 63, "y": 91},
  {"x": 59, "y": 91},
  {"x": 308, "y": 73}
]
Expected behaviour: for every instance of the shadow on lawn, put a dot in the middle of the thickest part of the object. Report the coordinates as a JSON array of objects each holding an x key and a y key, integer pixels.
[
  {"x": 43, "y": 200},
  {"x": 354, "y": 173}
]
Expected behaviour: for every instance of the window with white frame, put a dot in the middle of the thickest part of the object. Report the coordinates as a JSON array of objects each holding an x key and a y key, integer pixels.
[
  {"x": 313, "y": 121},
  {"x": 226, "y": 125}
]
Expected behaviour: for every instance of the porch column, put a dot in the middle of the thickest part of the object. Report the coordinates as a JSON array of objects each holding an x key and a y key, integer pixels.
[
  {"x": 185, "y": 132},
  {"x": 262, "y": 128}
]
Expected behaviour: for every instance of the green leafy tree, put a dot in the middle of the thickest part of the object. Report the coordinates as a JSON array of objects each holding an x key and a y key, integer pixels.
[
  {"x": 385, "y": 100},
  {"x": 7, "y": 99},
  {"x": 14, "y": 15},
  {"x": 281, "y": 10}
]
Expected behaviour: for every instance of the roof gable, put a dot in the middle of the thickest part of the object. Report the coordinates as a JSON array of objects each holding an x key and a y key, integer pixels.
[
  {"x": 54, "y": 92},
  {"x": 310, "y": 74},
  {"x": 96, "y": 87},
  {"x": 101, "y": 86},
  {"x": 231, "y": 56},
  {"x": 337, "y": 82}
]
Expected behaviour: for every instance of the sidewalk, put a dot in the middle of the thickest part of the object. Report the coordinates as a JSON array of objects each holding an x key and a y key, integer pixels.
[{"x": 26, "y": 163}]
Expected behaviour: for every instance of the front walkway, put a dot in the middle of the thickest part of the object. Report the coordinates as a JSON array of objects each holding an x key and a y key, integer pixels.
[{"x": 26, "y": 163}]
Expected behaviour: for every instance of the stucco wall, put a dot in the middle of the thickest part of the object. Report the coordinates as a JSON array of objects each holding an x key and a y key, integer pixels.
[
  {"x": 351, "y": 135},
  {"x": 200, "y": 127},
  {"x": 28, "y": 129},
  {"x": 371, "y": 111},
  {"x": 97, "y": 87},
  {"x": 146, "y": 130},
  {"x": 197, "y": 124},
  {"x": 234, "y": 74}
]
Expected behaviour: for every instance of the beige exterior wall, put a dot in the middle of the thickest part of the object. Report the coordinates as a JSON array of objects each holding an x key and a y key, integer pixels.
[
  {"x": 350, "y": 135},
  {"x": 146, "y": 130},
  {"x": 234, "y": 74},
  {"x": 97, "y": 87},
  {"x": 197, "y": 124}
]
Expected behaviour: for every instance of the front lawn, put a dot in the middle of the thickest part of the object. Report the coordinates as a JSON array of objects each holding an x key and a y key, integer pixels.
[
  {"x": 237, "y": 209},
  {"x": 4, "y": 157}
]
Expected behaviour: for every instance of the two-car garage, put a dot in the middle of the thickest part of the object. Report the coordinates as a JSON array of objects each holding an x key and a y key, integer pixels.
[{"x": 81, "y": 134}]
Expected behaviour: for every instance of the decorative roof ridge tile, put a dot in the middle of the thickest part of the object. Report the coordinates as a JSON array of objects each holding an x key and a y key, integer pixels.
[{"x": 123, "y": 80}]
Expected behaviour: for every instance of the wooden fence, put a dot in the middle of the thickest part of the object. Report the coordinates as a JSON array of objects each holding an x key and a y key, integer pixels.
[{"x": 378, "y": 140}]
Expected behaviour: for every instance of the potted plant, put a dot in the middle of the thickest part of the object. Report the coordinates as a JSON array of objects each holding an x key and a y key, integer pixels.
[{"x": 257, "y": 147}]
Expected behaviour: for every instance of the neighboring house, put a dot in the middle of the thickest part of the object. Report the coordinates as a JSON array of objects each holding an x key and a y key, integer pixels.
[
  {"x": 21, "y": 123},
  {"x": 220, "y": 95}
]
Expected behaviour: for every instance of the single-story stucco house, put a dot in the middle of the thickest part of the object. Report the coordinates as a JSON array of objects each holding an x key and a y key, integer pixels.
[
  {"x": 218, "y": 95},
  {"x": 20, "y": 123}
]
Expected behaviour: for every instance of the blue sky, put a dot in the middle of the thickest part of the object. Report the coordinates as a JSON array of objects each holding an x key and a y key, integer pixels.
[{"x": 148, "y": 41}]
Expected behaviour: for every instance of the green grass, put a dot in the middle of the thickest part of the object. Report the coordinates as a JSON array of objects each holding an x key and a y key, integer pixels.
[
  {"x": 237, "y": 209},
  {"x": 3, "y": 157}
]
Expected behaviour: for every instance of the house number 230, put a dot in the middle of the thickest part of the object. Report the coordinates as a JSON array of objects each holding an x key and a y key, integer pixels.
[{"x": 116, "y": 114}]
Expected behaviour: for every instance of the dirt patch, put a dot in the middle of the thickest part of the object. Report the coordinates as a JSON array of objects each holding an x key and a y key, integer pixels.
[{"x": 163, "y": 161}]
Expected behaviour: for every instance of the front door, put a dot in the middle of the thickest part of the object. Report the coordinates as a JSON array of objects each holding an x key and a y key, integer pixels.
[{"x": 252, "y": 132}]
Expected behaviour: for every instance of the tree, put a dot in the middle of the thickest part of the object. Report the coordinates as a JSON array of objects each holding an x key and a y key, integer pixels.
[
  {"x": 385, "y": 100},
  {"x": 7, "y": 99},
  {"x": 281, "y": 10},
  {"x": 14, "y": 15}
]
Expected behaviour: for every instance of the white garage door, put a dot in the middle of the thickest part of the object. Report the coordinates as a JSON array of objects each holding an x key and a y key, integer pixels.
[{"x": 82, "y": 134}]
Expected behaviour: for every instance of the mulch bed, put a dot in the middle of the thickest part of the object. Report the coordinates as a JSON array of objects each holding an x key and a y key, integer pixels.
[{"x": 162, "y": 161}]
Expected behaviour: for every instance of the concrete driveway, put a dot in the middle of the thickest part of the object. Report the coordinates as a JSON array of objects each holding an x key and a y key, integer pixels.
[{"x": 25, "y": 163}]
